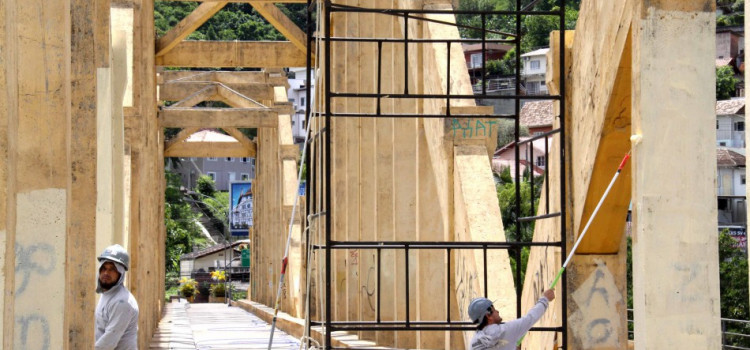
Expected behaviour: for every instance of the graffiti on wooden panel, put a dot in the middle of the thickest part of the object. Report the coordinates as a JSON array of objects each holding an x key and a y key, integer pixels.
[
  {"x": 470, "y": 127},
  {"x": 597, "y": 320}
]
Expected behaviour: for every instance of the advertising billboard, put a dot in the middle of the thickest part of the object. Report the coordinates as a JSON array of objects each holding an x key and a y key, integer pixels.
[{"x": 240, "y": 207}]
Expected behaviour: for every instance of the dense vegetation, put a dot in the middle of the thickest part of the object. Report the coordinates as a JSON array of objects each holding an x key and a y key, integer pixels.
[
  {"x": 236, "y": 21},
  {"x": 730, "y": 13}
]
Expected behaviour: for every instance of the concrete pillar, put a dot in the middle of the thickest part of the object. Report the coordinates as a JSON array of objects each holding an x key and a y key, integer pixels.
[{"x": 675, "y": 253}]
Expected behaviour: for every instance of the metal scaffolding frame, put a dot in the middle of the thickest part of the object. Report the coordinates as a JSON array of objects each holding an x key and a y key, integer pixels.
[{"x": 322, "y": 155}]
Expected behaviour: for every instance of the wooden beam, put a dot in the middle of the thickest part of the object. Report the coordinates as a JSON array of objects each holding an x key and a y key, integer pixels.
[
  {"x": 181, "y": 136},
  {"x": 208, "y": 93},
  {"x": 188, "y": 25},
  {"x": 242, "y": 139},
  {"x": 282, "y": 23},
  {"x": 178, "y": 90},
  {"x": 218, "y": 117},
  {"x": 209, "y": 149},
  {"x": 290, "y": 152},
  {"x": 269, "y": 54},
  {"x": 226, "y": 77},
  {"x": 236, "y": 99}
]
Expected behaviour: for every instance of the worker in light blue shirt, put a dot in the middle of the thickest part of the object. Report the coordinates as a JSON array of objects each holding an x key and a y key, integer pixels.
[{"x": 493, "y": 334}]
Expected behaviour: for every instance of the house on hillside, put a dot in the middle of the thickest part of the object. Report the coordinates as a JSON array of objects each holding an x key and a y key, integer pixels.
[
  {"x": 473, "y": 57},
  {"x": 198, "y": 265},
  {"x": 534, "y": 72},
  {"x": 730, "y": 181},
  {"x": 297, "y": 95},
  {"x": 222, "y": 170},
  {"x": 538, "y": 116},
  {"x": 730, "y": 51},
  {"x": 730, "y": 123},
  {"x": 531, "y": 157}
]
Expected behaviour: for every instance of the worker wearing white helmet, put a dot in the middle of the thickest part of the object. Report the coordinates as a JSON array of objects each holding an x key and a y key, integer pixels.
[
  {"x": 117, "y": 311},
  {"x": 492, "y": 333}
]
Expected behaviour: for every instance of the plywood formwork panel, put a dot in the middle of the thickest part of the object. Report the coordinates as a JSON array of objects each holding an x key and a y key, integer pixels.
[
  {"x": 385, "y": 178},
  {"x": 675, "y": 253},
  {"x": 599, "y": 105}
]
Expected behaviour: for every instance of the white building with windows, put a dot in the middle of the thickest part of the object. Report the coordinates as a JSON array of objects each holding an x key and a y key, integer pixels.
[
  {"x": 730, "y": 123},
  {"x": 534, "y": 71},
  {"x": 297, "y": 95},
  {"x": 222, "y": 170}
]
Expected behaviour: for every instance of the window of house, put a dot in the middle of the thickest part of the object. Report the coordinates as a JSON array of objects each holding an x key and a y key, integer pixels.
[
  {"x": 532, "y": 87},
  {"x": 244, "y": 159},
  {"x": 476, "y": 60},
  {"x": 723, "y": 204},
  {"x": 212, "y": 175},
  {"x": 739, "y": 126},
  {"x": 742, "y": 179},
  {"x": 302, "y": 102},
  {"x": 229, "y": 159},
  {"x": 534, "y": 64},
  {"x": 212, "y": 158},
  {"x": 245, "y": 176},
  {"x": 717, "y": 125},
  {"x": 537, "y": 133},
  {"x": 232, "y": 176},
  {"x": 540, "y": 161}
]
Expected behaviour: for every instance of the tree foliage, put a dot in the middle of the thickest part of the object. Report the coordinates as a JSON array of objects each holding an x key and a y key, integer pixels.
[
  {"x": 534, "y": 29},
  {"x": 506, "y": 196},
  {"x": 205, "y": 185},
  {"x": 182, "y": 230},
  {"x": 725, "y": 83},
  {"x": 236, "y": 21}
]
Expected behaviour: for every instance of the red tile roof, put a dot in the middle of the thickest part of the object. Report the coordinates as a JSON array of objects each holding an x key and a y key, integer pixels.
[
  {"x": 537, "y": 113},
  {"x": 729, "y": 158}
]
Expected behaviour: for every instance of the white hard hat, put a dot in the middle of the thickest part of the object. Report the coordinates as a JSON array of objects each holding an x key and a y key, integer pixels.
[
  {"x": 478, "y": 308},
  {"x": 116, "y": 253}
]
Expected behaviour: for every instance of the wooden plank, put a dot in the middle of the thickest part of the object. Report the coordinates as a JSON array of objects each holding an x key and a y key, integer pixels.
[
  {"x": 178, "y": 90},
  {"x": 89, "y": 43},
  {"x": 385, "y": 179},
  {"x": 282, "y": 23},
  {"x": 675, "y": 249},
  {"x": 368, "y": 168},
  {"x": 241, "y": 138},
  {"x": 187, "y": 25},
  {"x": 247, "y": 54},
  {"x": 289, "y": 152},
  {"x": 226, "y": 77},
  {"x": 206, "y": 94},
  {"x": 209, "y": 149},
  {"x": 181, "y": 136},
  {"x": 9, "y": 114},
  {"x": 238, "y": 100},
  {"x": 218, "y": 117}
]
